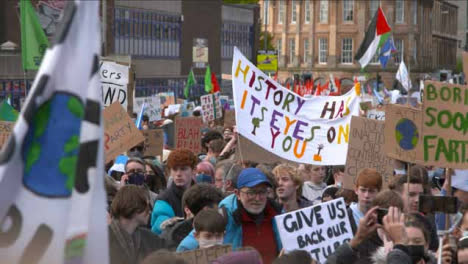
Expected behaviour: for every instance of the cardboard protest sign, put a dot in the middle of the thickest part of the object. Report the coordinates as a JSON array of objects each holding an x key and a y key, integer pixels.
[
  {"x": 154, "y": 142},
  {"x": 186, "y": 109},
  {"x": 188, "y": 133},
  {"x": 172, "y": 109},
  {"x": 167, "y": 98},
  {"x": 152, "y": 108},
  {"x": 248, "y": 150},
  {"x": 402, "y": 132},
  {"x": 206, "y": 255},
  {"x": 306, "y": 130},
  {"x": 6, "y": 128},
  {"x": 114, "y": 83},
  {"x": 229, "y": 118},
  {"x": 376, "y": 114},
  {"x": 211, "y": 107},
  {"x": 366, "y": 150},
  {"x": 120, "y": 132},
  {"x": 445, "y": 125},
  {"x": 318, "y": 229}
]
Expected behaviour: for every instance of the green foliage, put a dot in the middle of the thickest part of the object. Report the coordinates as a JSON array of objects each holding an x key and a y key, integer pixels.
[
  {"x": 459, "y": 67},
  {"x": 269, "y": 39}
]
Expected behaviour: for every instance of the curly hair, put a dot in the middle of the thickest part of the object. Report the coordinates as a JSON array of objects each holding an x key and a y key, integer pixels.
[{"x": 181, "y": 157}]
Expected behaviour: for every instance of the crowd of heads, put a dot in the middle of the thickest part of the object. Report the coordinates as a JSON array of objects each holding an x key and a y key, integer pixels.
[{"x": 200, "y": 200}]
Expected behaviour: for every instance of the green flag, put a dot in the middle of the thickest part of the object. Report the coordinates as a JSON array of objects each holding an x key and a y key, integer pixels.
[
  {"x": 7, "y": 112},
  {"x": 208, "y": 84},
  {"x": 189, "y": 84},
  {"x": 33, "y": 39}
]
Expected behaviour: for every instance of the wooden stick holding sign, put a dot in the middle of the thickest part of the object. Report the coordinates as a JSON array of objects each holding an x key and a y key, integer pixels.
[{"x": 120, "y": 132}]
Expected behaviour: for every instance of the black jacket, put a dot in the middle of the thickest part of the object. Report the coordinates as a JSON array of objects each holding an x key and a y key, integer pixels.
[{"x": 148, "y": 242}]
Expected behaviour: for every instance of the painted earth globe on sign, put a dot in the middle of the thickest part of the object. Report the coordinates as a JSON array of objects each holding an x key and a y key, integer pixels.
[
  {"x": 50, "y": 149},
  {"x": 406, "y": 134}
]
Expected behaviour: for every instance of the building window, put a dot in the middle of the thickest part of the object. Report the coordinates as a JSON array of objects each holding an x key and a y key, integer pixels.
[
  {"x": 400, "y": 11},
  {"x": 347, "y": 51},
  {"x": 398, "y": 56},
  {"x": 306, "y": 50},
  {"x": 348, "y": 6},
  {"x": 415, "y": 53},
  {"x": 266, "y": 4},
  {"x": 293, "y": 12},
  {"x": 292, "y": 49},
  {"x": 374, "y": 5},
  {"x": 279, "y": 46},
  {"x": 147, "y": 33},
  {"x": 323, "y": 51},
  {"x": 281, "y": 11},
  {"x": 323, "y": 16},
  {"x": 234, "y": 34},
  {"x": 307, "y": 11},
  {"x": 415, "y": 12}
]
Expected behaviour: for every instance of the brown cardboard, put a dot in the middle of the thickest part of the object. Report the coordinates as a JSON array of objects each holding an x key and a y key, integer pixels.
[
  {"x": 120, "y": 132},
  {"x": 393, "y": 115},
  {"x": 445, "y": 125},
  {"x": 229, "y": 118},
  {"x": 6, "y": 128},
  {"x": 206, "y": 255},
  {"x": 188, "y": 133},
  {"x": 366, "y": 150},
  {"x": 154, "y": 142},
  {"x": 249, "y": 151}
]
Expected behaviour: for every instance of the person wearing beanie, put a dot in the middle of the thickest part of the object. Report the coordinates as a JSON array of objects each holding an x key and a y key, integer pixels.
[{"x": 168, "y": 207}]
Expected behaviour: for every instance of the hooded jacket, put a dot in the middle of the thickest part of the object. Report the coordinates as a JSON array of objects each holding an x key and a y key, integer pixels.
[{"x": 167, "y": 205}]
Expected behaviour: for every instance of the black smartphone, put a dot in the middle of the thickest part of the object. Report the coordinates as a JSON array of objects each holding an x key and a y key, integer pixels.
[
  {"x": 381, "y": 212},
  {"x": 442, "y": 204}
]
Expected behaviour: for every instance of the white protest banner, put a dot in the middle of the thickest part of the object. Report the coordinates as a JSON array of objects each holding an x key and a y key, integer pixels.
[
  {"x": 211, "y": 107},
  {"x": 304, "y": 130},
  {"x": 153, "y": 106},
  {"x": 114, "y": 81},
  {"x": 318, "y": 229}
]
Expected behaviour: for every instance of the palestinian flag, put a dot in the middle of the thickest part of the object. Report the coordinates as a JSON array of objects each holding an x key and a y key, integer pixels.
[{"x": 376, "y": 35}]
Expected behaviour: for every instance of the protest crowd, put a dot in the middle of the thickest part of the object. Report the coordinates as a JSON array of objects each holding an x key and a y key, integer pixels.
[{"x": 268, "y": 176}]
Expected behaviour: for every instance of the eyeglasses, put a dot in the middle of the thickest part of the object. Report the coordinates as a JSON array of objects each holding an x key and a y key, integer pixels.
[{"x": 253, "y": 193}]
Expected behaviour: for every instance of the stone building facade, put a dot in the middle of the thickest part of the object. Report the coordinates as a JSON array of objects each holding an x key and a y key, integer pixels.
[{"x": 319, "y": 38}]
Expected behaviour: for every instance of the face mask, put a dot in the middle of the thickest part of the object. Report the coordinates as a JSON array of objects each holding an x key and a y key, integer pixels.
[
  {"x": 399, "y": 171},
  {"x": 416, "y": 252},
  {"x": 136, "y": 178},
  {"x": 204, "y": 178},
  {"x": 206, "y": 243}
]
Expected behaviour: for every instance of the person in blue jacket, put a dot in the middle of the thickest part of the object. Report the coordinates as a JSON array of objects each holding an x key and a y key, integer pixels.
[
  {"x": 168, "y": 206},
  {"x": 250, "y": 217}
]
